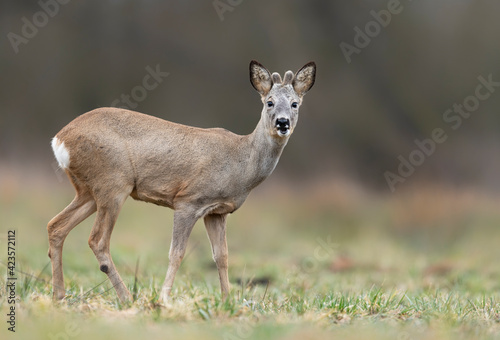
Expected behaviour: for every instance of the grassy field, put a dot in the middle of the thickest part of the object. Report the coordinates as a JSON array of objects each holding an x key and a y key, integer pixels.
[{"x": 324, "y": 260}]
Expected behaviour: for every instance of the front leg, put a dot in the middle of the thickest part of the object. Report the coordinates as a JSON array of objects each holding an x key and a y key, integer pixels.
[
  {"x": 216, "y": 230},
  {"x": 183, "y": 224}
]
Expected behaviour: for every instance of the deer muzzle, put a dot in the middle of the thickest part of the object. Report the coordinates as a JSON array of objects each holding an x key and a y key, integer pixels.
[{"x": 283, "y": 126}]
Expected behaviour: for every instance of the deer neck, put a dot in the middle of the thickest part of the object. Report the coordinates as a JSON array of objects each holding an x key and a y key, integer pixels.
[{"x": 264, "y": 152}]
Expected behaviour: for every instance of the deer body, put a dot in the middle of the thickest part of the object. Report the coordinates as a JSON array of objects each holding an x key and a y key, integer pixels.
[
  {"x": 168, "y": 164},
  {"x": 110, "y": 154}
]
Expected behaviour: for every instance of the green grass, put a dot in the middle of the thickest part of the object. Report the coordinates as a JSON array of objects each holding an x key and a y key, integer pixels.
[{"x": 328, "y": 261}]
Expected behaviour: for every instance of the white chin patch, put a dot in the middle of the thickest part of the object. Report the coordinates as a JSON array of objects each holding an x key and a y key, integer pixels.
[
  {"x": 61, "y": 153},
  {"x": 284, "y": 134}
]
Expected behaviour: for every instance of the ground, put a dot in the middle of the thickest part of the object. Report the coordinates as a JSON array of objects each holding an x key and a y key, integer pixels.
[{"x": 325, "y": 259}]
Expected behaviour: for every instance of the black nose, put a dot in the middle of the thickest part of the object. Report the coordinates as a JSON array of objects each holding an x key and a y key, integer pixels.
[{"x": 283, "y": 124}]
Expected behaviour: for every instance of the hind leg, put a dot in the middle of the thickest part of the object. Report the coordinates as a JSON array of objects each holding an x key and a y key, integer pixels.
[
  {"x": 99, "y": 242},
  {"x": 82, "y": 206}
]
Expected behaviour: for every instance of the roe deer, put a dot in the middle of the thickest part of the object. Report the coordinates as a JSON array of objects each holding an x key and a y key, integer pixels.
[{"x": 110, "y": 154}]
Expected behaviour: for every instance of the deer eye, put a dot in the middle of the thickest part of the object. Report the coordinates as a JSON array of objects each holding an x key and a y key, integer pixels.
[
  {"x": 295, "y": 105},
  {"x": 270, "y": 104}
]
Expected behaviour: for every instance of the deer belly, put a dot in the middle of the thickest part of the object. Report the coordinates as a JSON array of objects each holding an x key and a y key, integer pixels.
[{"x": 153, "y": 196}]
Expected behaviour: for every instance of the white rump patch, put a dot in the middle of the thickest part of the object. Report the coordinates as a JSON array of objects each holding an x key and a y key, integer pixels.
[{"x": 61, "y": 153}]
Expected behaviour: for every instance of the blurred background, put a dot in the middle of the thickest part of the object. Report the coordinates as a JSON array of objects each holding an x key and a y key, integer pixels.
[
  {"x": 375, "y": 93},
  {"x": 394, "y": 213},
  {"x": 389, "y": 73}
]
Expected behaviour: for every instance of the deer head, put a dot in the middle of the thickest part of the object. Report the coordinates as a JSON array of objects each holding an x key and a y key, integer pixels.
[{"x": 281, "y": 98}]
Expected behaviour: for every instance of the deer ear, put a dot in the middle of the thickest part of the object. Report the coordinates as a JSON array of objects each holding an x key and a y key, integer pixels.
[
  {"x": 304, "y": 78},
  {"x": 260, "y": 78}
]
